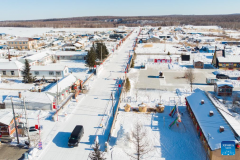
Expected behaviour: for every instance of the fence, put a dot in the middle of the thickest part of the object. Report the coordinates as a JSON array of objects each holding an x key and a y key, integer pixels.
[{"x": 116, "y": 113}]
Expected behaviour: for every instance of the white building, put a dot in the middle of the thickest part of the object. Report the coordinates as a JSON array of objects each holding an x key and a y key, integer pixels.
[
  {"x": 11, "y": 69},
  {"x": 49, "y": 71}
]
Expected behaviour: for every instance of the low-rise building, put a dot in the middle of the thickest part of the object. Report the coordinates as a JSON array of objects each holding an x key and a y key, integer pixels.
[
  {"x": 228, "y": 62},
  {"x": 212, "y": 124},
  {"x": 70, "y": 55},
  {"x": 223, "y": 88},
  {"x": 11, "y": 69},
  {"x": 23, "y": 43},
  {"x": 7, "y": 127},
  {"x": 49, "y": 71},
  {"x": 198, "y": 64}
]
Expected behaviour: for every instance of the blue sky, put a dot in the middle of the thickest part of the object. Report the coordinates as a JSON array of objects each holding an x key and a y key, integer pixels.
[{"x": 41, "y": 9}]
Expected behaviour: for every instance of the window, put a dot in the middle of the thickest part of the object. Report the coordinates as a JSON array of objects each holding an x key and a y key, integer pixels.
[
  {"x": 12, "y": 42},
  {"x": 36, "y": 73},
  {"x": 12, "y": 73},
  {"x": 4, "y": 72},
  {"x": 25, "y": 47},
  {"x": 58, "y": 73},
  {"x": 20, "y": 42},
  {"x": 15, "y": 42},
  {"x": 223, "y": 65},
  {"x": 62, "y": 57},
  {"x": 23, "y": 42},
  {"x": 51, "y": 73},
  {"x": 9, "y": 42}
]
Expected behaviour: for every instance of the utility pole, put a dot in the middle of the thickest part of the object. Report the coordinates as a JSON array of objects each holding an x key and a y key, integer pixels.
[
  {"x": 9, "y": 57},
  {"x": 15, "y": 121},
  {"x": 39, "y": 128},
  {"x": 29, "y": 141},
  {"x": 101, "y": 53},
  {"x": 57, "y": 98}
]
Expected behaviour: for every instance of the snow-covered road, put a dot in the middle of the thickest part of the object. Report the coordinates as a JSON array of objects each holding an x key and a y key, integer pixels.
[{"x": 90, "y": 110}]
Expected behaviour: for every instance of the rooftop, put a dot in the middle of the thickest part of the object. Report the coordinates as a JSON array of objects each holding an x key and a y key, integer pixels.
[
  {"x": 229, "y": 59},
  {"x": 69, "y": 53},
  {"x": 23, "y": 39},
  {"x": 48, "y": 68},
  {"x": 209, "y": 125}
]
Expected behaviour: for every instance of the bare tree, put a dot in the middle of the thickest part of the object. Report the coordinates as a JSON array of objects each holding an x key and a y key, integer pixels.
[
  {"x": 96, "y": 154},
  {"x": 190, "y": 76},
  {"x": 138, "y": 137}
]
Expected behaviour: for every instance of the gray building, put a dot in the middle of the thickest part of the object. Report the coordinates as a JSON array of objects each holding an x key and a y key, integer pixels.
[{"x": 68, "y": 55}]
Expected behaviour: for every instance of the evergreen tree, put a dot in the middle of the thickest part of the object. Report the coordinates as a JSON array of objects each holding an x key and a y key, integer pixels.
[
  {"x": 27, "y": 76},
  {"x": 96, "y": 154},
  {"x": 101, "y": 47},
  {"x": 127, "y": 85},
  {"x": 91, "y": 57}
]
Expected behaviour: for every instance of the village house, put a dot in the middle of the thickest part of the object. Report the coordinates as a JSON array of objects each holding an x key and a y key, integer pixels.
[
  {"x": 229, "y": 62},
  {"x": 7, "y": 127},
  {"x": 198, "y": 64},
  {"x": 203, "y": 113},
  {"x": 70, "y": 55},
  {"x": 223, "y": 88},
  {"x": 11, "y": 69},
  {"x": 33, "y": 100},
  {"x": 49, "y": 71},
  {"x": 23, "y": 43}
]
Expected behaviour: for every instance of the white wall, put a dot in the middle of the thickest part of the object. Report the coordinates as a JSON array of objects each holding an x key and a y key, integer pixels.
[
  {"x": 64, "y": 73},
  {"x": 17, "y": 73}
]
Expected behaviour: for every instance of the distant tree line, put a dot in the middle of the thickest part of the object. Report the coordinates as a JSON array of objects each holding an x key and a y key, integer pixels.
[{"x": 226, "y": 21}]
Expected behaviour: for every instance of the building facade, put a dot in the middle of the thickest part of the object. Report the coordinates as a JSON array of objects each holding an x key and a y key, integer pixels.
[{"x": 23, "y": 43}]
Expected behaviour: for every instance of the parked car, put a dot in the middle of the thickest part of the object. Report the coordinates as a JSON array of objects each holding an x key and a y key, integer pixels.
[
  {"x": 33, "y": 130},
  {"x": 222, "y": 76},
  {"x": 76, "y": 136}
]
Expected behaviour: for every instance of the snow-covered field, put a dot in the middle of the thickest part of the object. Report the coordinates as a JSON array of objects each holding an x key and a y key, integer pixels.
[
  {"x": 167, "y": 143},
  {"x": 30, "y": 32}
]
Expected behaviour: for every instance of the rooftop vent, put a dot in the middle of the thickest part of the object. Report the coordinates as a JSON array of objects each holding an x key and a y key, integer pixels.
[
  {"x": 211, "y": 113},
  {"x": 221, "y": 129},
  {"x": 202, "y": 101}
]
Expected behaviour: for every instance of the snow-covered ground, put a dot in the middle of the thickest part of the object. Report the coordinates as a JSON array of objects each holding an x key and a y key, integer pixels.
[
  {"x": 154, "y": 48},
  {"x": 167, "y": 143},
  {"x": 30, "y": 32},
  {"x": 89, "y": 112}
]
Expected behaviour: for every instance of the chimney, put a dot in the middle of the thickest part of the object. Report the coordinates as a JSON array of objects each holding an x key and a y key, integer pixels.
[
  {"x": 211, "y": 113},
  {"x": 202, "y": 101},
  {"x": 19, "y": 94},
  {"x": 221, "y": 129}
]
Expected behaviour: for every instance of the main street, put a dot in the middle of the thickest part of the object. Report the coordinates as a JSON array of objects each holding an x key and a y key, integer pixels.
[{"x": 89, "y": 110}]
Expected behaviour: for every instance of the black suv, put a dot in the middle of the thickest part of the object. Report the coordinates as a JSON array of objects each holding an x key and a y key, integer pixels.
[
  {"x": 222, "y": 76},
  {"x": 76, "y": 136}
]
